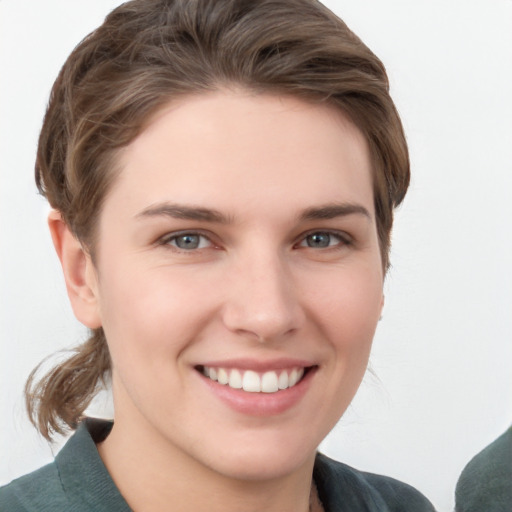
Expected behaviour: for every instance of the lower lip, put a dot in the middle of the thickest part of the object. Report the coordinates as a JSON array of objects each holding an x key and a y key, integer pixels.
[{"x": 261, "y": 404}]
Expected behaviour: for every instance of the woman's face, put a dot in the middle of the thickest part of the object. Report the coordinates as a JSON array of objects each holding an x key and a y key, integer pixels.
[{"x": 239, "y": 241}]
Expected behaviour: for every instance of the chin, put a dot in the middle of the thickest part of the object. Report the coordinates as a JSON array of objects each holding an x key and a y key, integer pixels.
[
  {"x": 262, "y": 459},
  {"x": 260, "y": 468}
]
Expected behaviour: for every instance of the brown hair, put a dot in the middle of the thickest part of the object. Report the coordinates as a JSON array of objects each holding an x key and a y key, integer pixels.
[{"x": 148, "y": 52}]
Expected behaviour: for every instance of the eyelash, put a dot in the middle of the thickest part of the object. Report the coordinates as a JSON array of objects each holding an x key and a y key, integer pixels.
[
  {"x": 168, "y": 239},
  {"x": 343, "y": 240}
]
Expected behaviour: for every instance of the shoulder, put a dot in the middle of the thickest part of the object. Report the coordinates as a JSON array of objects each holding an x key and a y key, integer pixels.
[
  {"x": 485, "y": 483},
  {"x": 38, "y": 491},
  {"x": 76, "y": 481},
  {"x": 342, "y": 487}
]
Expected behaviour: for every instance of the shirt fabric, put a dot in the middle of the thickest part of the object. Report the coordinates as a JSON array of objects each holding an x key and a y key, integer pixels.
[
  {"x": 78, "y": 481},
  {"x": 486, "y": 482}
]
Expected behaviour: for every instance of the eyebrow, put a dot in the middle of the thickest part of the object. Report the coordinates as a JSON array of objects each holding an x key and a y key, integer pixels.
[
  {"x": 178, "y": 211},
  {"x": 334, "y": 210}
]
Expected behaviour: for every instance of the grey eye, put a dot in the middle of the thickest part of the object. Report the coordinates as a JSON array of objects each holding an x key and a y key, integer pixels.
[
  {"x": 187, "y": 241},
  {"x": 318, "y": 240}
]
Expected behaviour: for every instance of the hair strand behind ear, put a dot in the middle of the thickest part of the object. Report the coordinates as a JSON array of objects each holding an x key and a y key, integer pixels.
[{"x": 58, "y": 400}]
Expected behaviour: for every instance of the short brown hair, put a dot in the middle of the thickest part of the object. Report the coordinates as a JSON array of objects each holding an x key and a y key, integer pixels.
[{"x": 148, "y": 52}]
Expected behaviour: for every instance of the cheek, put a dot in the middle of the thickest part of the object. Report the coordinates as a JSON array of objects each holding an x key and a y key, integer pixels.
[
  {"x": 346, "y": 309},
  {"x": 153, "y": 313},
  {"x": 145, "y": 321},
  {"x": 349, "y": 300}
]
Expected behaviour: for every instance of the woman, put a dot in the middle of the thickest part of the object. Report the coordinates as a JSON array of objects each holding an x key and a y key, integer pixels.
[{"x": 223, "y": 176}]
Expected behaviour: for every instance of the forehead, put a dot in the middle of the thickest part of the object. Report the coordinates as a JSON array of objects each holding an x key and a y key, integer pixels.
[{"x": 246, "y": 147}]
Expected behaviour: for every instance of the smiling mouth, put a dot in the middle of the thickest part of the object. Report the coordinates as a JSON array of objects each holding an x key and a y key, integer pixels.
[{"x": 255, "y": 382}]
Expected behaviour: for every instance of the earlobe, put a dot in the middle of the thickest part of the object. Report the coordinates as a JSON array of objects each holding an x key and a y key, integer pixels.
[{"x": 79, "y": 272}]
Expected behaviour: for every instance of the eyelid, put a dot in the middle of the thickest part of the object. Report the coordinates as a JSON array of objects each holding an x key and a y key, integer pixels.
[
  {"x": 168, "y": 237},
  {"x": 345, "y": 238}
]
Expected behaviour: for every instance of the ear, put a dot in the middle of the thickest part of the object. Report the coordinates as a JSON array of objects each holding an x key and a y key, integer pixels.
[
  {"x": 382, "y": 305},
  {"x": 79, "y": 272}
]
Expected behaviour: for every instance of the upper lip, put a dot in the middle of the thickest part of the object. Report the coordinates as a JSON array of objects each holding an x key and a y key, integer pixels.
[{"x": 259, "y": 365}]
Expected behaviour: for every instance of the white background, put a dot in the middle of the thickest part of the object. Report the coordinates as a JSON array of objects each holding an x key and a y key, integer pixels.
[{"x": 443, "y": 351}]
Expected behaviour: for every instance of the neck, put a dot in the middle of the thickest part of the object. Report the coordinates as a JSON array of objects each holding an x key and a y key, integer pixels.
[{"x": 151, "y": 474}]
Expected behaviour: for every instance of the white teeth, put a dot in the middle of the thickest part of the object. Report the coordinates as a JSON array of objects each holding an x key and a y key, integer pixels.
[
  {"x": 295, "y": 376},
  {"x": 269, "y": 382},
  {"x": 235, "y": 379},
  {"x": 222, "y": 376},
  {"x": 252, "y": 382},
  {"x": 283, "y": 380}
]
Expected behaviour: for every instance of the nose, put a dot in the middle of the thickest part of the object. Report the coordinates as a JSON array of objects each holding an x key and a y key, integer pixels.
[{"x": 263, "y": 302}]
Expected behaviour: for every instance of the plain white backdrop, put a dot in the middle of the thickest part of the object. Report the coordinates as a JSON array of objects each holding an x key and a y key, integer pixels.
[{"x": 443, "y": 351}]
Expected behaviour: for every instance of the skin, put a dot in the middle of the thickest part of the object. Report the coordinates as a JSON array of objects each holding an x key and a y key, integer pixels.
[{"x": 258, "y": 287}]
